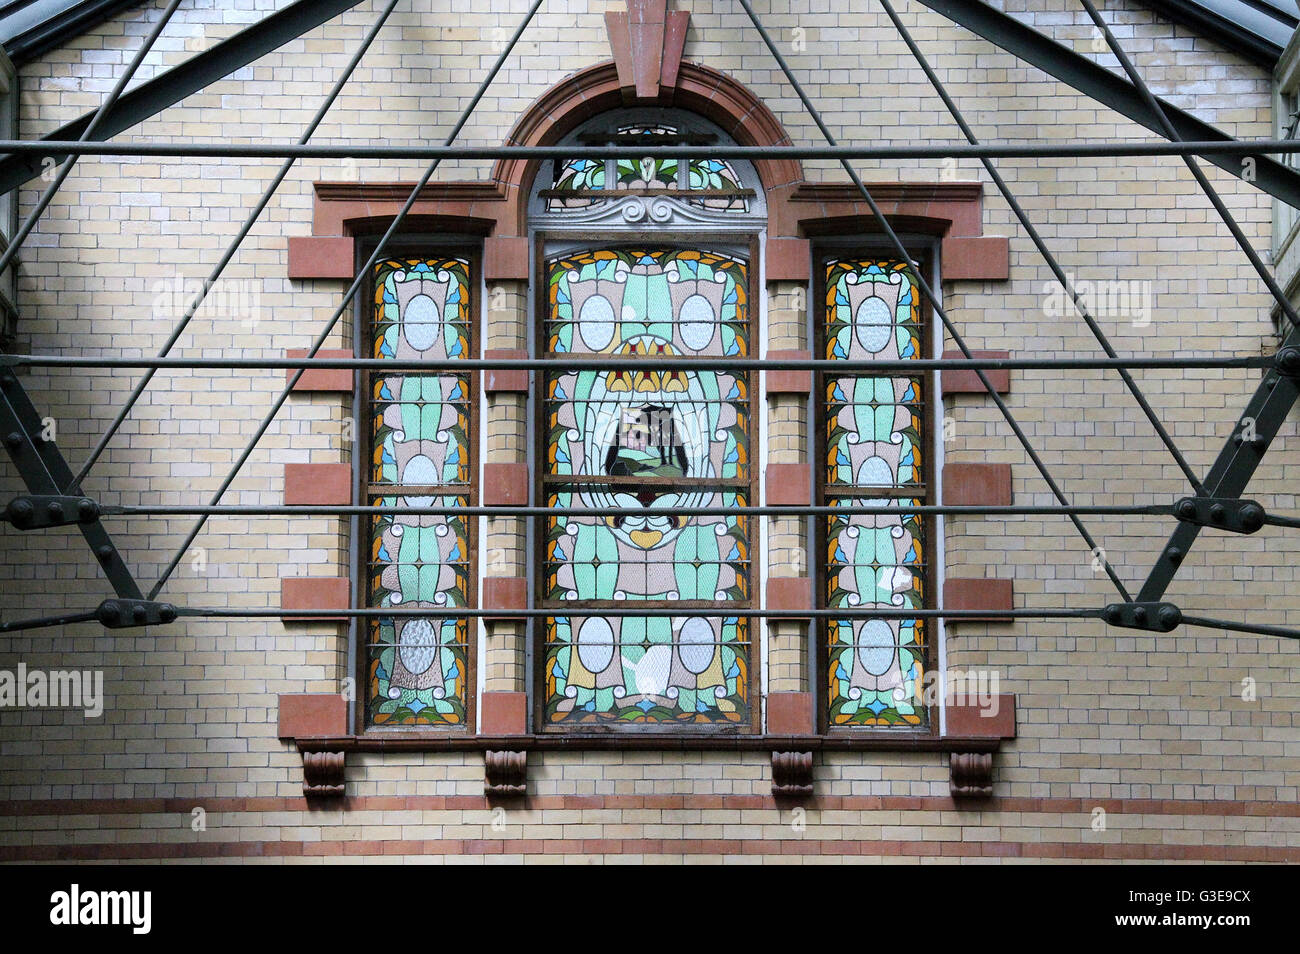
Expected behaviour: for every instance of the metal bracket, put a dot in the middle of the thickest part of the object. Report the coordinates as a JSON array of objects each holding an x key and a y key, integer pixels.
[
  {"x": 1225, "y": 513},
  {"x": 124, "y": 614},
  {"x": 41, "y": 511},
  {"x": 1153, "y": 617},
  {"x": 1236, "y": 464},
  {"x": 47, "y": 476}
]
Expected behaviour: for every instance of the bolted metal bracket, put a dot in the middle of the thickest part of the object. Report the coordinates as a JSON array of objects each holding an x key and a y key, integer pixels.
[
  {"x": 49, "y": 479},
  {"x": 41, "y": 511},
  {"x": 1287, "y": 361},
  {"x": 1153, "y": 617},
  {"x": 124, "y": 614},
  {"x": 1224, "y": 513}
]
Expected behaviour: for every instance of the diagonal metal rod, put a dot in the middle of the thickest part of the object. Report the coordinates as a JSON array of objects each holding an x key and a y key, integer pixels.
[
  {"x": 361, "y": 277},
  {"x": 215, "y": 274},
  {"x": 933, "y": 298},
  {"x": 1210, "y": 192},
  {"x": 1043, "y": 250},
  {"x": 65, "y": 170}
]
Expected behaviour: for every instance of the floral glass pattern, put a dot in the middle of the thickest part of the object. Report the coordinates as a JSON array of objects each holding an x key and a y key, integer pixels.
[
  {"x": 642, "y": 437},
  {"x": 575, "y": 181},
  {"x": 420, "y": 457},
  {"x": 874, "y": 448}
]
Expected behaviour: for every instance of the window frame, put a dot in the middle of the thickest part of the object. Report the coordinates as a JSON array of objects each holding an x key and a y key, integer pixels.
[
  {"x": 413, "y": 245},
  {"x": 556, "y": 242},
  {"x": 923, "y": 261}
]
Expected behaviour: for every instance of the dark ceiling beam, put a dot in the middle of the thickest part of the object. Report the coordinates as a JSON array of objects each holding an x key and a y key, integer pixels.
[
  {"x": 170, "y": 87},
  {"x": 1205, "y": 21},
  {"x": 1107, "y": 88},
  {"x": 45, "y": 35}
]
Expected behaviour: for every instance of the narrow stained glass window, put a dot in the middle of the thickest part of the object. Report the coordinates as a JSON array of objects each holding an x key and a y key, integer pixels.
[
  {"x": 420, "y": 441},
  {"x": 646, "y": 438},
  {"x": 874, "y": 453}
]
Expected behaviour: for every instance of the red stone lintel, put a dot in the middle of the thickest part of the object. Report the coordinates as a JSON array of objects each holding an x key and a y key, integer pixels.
[
  {"x": 501, "y": 379},
  {"x": 964, "y": 381},
  {"x": 787, "y": 259},
  {"x": 310, "y": 715},
  {"x": 789, "y": 713},
  {"x": 319, "y": 485},
  {"x": 789, "y": 382},
  {"x": 789, "y": 593},
  {"x": 503, "y": 713},
  {"x": 314, "y": 593},
  {"x": 501, "y": 594},
  {"x": 983, "y": 719},
  {"x": 975, "y": 485},
  {"x": 973, "y": 593},
  {"x": 321, "y": 379},
  {"x": 976, "y": 258},
  {"x": 322, "y": 256},
  {"x": 505, "y": 258},
  {"x": 505, "y": 485},
  {"x": 788, "y": 485}
]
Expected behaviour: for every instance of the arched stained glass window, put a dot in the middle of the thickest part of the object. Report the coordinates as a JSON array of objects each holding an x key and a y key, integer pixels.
[
  {"x": 421, "y": 454},
  {"x": 644, "y": 438},
  {"x": 875, "y": 452}
]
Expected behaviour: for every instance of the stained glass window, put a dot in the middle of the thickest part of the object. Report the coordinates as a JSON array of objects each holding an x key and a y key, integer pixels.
[
  {"x": 874, "y": 453},
  {"x": 642, "y": 437},
  {"x": 577, "y": 183},
  {"x": 420, "y": 456}
]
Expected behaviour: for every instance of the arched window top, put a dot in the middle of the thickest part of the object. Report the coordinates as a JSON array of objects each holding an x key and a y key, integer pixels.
[{"x": 633, "y": 194}]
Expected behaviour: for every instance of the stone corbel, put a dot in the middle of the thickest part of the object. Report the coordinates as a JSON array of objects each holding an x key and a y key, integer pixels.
[
  {"x": 505, "y": 773},
  {"x": 970, "y": 773},
  {"x": 792, "y": 774},
  {"x": 307, "y": 716},
  {"x": 322, "y": 774}
]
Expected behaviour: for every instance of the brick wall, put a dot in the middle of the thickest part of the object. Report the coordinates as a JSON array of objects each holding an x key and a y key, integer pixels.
[{"x": 1152, "y": 731}]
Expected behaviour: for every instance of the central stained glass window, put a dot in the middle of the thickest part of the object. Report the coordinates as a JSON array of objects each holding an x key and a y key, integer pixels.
[{"x": 654, "y": 441}]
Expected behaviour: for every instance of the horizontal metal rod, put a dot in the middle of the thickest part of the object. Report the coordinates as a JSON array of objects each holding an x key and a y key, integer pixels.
[
  {"x": 954, "y": 149},
  {"x": 289, "y": 510},
  {"x": 820, "y": 613},
  {"x": 565, "y": 362},
  {"x": 566, "y": 612},
  {"x": 655, "y": 612},
  {"x": 1257, "y": 629}
]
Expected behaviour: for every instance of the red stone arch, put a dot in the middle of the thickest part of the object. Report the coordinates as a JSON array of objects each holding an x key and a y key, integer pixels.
[{"x": 797, "y": 209}]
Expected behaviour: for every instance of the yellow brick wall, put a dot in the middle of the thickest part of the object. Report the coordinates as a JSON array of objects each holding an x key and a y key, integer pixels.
[{"x": 1105, "y": 716}]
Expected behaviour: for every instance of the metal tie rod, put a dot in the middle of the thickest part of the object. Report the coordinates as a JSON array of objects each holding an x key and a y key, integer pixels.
[
  {"x": 1044, "y": 251},
  {"x": 233, "y": 246},
  {"x": 1202, "y": 180},
  {"x": 348, "y": 296},
  {"x": 105, "y": 107},
  {"x": 810, "y": 510},
  {"x": 957, "y": 150},
  {"x": 563, "y": 363},
  {"x": 307, "y": 615},
  {"x": 933, "y": 299}
]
